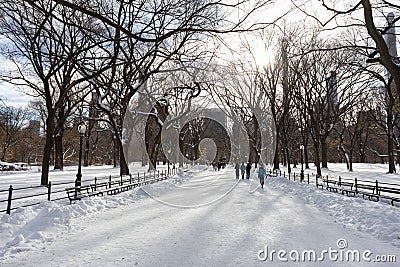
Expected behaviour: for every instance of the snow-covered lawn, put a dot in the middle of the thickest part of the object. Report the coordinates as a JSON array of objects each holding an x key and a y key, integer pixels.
[
  {"x": 363, "y": 171},
  {"x": 203, "y": 218},
  {"x": 23, "y": 179},
  {"x": 32, "y": 177}
]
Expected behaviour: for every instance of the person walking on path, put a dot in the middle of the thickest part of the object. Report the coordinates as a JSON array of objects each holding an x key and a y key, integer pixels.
[
  {"x": 261, "y": 174},
  {"x": 243, "y": 169},
  {"x": 237, "y": 168},
  {"x": 248, "y": 169}
]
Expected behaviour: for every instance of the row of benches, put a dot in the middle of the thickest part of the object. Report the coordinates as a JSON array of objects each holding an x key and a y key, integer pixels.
[
  {"x": 373, "y": 192},
  {"x": 111, "y": 187}
]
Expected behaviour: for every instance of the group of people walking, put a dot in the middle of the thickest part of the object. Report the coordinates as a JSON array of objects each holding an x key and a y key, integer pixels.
[
  {"x": 218, "y": 165},
  {"x": 245, "y": 169}
]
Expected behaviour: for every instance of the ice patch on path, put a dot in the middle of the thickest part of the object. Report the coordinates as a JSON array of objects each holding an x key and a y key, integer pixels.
[
  {"x": 31, "y": 227},
  {"x": 377, "y": 219}
]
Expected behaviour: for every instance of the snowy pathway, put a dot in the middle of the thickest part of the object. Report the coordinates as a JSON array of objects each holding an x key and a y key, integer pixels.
[{"x": 227, "y": 232}]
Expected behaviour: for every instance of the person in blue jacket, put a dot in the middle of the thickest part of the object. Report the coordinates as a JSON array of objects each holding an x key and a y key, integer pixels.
[{"x": 261, "y": 174}]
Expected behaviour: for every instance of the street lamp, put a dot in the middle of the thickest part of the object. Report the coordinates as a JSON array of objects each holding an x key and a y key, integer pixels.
[
  {"x": 82, "y": 130},
  {"x": 301, "y": 158}
]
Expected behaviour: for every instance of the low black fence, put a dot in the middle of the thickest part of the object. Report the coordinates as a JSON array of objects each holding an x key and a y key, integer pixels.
[
  {"x": 371, "y": 190},
  {"x": 20, "y": 197}
]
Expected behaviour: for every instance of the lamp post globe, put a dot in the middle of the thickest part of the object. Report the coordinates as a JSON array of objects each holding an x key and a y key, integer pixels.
[{"x": 82, "y": 129}]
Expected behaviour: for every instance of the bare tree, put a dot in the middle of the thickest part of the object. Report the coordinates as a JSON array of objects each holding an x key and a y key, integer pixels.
[
  {"x": 371, "y": 19},
  {"x": 323, "y": 95},
  {"x": 12, "y": 121},
  {"x": 45, "y": 49}
]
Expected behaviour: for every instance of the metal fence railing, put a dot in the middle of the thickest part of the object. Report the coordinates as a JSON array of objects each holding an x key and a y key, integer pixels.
[{"x": 19, "y": 197}]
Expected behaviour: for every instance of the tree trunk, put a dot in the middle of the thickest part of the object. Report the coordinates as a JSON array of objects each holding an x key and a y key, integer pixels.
[
  {"x": 154, "y": 154},
  {"x": 317, "y": 158},
  {"x": 253, "y": 152},
  {"x": 288, "y": 159},
  {"x": 276, "y": 156},
  {"x": 115, "y": 153},
  {"x": 59, "y": 152},
  {"x": 123, "y": 165},
  {"x": 362, "y": 155},
  {"x": 346, "y": 156},
  {"x": 3, "y": 157},
  {"x": 397, "y": 157},
  {"x": 306, "y": 157},
  {"x": 47, "y": 149},
  {"x": 144, "y": 157},
  {"x": 392, "y": 167},
  {"x": 351, "y": 160},
  {"x": 283, "y": 155},
  {"x": 324, "y": 152}
]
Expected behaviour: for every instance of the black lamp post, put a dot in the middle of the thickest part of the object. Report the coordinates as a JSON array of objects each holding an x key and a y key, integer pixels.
[
  {"x": 82, "y": 131},
  {"x": 301, "y": 158}
]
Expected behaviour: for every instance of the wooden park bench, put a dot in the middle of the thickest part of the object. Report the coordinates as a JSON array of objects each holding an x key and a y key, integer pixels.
[
  {"x": 320, "y": 182},
  {"x": 395, "y": 191},
  {"x": 99, "y": 186},
  {"x": 79, "y": 192},
  {"x": 367, "y": 194},
  {"x": 347, "y": 188},
  {"x": 119, "y": 189},
  {"x": 332, "y": 185},
  {"x": 351, "y": 189},
  {"x": 112, "y": 187},
  {"x": 373, "y": 191}
]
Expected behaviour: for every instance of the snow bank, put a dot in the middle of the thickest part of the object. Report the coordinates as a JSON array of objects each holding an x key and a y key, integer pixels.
[
  {"x": 363, "y": 171},
  {"x": 29, "y": 228},
  {"x": 375, "y": 218}
]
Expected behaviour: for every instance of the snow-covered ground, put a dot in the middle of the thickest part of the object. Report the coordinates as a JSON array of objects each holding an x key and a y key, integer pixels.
[
  {"x": 59, "y": 179},
  {"x": 363, "y": 171},
  {"x": 203, "y": 218},
  {"x": 32, "y": 177}
]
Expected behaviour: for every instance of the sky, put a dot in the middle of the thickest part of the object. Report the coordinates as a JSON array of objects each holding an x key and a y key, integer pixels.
[{"x": 13, "y": 96}]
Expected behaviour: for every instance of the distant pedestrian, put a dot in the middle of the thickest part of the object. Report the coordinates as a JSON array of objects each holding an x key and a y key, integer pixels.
[
  {"x": 214, "y": 166},
  {"x": 243, "y": 169},
  {"x": 237, "y": 169},
  {"x": 219, "y": 165},
  {"x": 248, "y": 169},
  {"x": 262, "y": 173}
]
